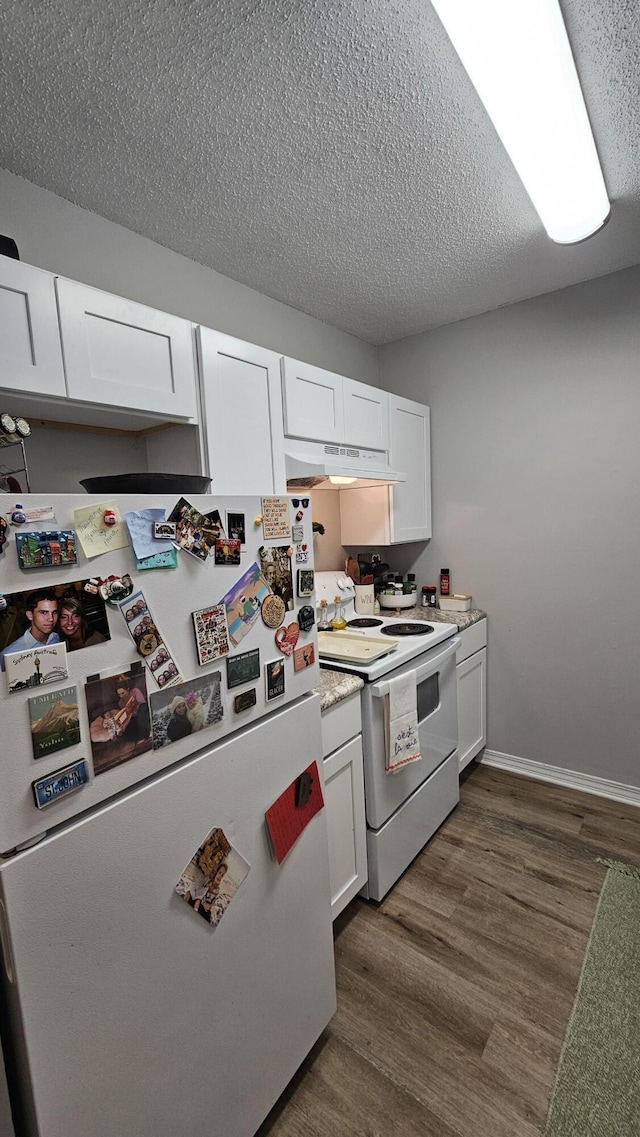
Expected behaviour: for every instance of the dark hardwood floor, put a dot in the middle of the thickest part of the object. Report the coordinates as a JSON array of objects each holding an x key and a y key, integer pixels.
[{"x": 455, "y": 992}]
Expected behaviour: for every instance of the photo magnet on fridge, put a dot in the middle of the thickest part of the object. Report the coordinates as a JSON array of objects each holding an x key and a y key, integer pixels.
[
  {"x": 243, "y": 668},
  {"x": 227, "y": 551},
  {"x": 186, "y": 709},
  {"x": 242, "y": 603},
  {"x": 213, "y": 876},
  {"x": 305, "y": 582},
  {"x": 212, "y": 638},
  {"x": 196, "y": 532},
  {"x": 35, "y": 666},
  {"x": 120, "y": 726},
  {"x": 54, "y": 722},
  {"x": 276, "y": 569},
  {"x": 63, "y": 613},
  {"x": 236, "y": 527}
]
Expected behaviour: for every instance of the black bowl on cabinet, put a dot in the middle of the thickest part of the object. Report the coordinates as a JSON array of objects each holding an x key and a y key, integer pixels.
[{"x": 147, "y": 483}]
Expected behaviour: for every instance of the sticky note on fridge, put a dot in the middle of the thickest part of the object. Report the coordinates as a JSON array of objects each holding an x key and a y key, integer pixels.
[
  {"x": 159, "y": 560},
  {"x": 286, "y": 819},
  {"x": 94, "y": 535}
]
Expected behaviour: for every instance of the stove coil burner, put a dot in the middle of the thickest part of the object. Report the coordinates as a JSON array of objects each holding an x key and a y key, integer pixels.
[
  {"x": 407, "y": 629},
  {"x": 365, "y": 622}
]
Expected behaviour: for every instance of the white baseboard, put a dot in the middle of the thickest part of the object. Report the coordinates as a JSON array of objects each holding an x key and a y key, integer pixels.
[{"x": 572, "y": 779}]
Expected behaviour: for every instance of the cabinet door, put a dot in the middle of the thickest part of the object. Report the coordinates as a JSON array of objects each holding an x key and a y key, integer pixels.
[
  {"x": 366, "y": 415},
  {"x": 313, "y": 402},
  {"x": 125, "y": 354},
  {"x": 30, "y": 352},
  {"x": 344, "y": 801},
  {"x": 241, "y": 415},
  {"x": 410, "y": 501},
  {"x": 472, "y": 703}
]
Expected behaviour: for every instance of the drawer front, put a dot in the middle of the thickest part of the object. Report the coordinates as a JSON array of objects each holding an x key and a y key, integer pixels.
[
  {"x": 340, "y": 722},
  {"x": 473, "y": 639}
]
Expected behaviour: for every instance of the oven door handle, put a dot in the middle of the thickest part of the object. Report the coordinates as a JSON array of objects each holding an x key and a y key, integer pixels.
[{"x": 426, "y": 670}]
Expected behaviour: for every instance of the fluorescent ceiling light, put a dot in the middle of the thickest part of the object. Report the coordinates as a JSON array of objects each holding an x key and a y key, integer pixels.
[{"x": 518, "y": 57}]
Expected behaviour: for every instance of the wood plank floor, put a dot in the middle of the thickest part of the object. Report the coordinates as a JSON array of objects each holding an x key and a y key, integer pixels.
[{"x": 455, "y": 992}]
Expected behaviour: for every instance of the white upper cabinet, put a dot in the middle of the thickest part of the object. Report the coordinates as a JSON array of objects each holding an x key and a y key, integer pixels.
[
  {"x": 241, "y": 415},
  {"x": 324, "y": 407},
  {"x": 123, "y": 354},
  {"x": 366, "y": 415},
  {"x": 30, "y": 355},
  {"x": 313, "y": 404},
  {"x": 410, "y": 451},
  {"x": 392, "y": 515}
]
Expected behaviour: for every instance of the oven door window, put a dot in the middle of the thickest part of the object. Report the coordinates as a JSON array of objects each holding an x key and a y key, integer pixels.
[{"x": 428, "y": 696}]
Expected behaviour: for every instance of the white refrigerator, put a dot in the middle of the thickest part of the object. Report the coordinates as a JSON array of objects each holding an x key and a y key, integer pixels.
[{"x": 125, "y": 1011}]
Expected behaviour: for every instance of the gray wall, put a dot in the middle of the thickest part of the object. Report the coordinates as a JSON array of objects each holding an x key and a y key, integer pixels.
[
  {"x": 55, "y": 235},
  {"x": 536, "y": 510}
]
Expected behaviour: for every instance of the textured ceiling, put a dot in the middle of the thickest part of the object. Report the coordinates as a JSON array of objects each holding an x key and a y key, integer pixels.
[{"x": 329, "y": 153}]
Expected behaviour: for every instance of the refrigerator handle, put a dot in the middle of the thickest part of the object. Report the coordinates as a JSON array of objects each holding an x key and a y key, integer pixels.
[{"x": 5, "y": 941}]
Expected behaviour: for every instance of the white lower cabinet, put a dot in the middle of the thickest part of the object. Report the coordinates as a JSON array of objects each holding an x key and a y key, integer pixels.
[
  {"x": 344, "y": 801},
  {"x": 471, "y": 671}
]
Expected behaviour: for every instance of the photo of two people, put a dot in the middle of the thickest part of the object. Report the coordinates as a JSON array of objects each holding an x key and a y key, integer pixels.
[{"x": 62, "y": 613}]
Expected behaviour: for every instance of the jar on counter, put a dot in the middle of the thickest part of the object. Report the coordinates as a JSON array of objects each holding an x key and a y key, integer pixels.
[
  {"x": 324, "y": 624},
  {"x": 429, "y": 597}
]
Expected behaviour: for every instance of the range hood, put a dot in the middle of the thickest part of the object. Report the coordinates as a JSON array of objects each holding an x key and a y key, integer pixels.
[{"x": 315, "y": 465}]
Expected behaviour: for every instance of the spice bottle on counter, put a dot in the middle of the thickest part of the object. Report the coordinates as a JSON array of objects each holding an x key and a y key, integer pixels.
[
  {"x": 409, "y": 585},
  {"x": 429, "y": 598},
  {"x": 324, "y": 624},
  {"x": 445, "y": 582}
]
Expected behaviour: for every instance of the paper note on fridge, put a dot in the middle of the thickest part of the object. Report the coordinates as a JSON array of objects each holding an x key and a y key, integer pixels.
[{"x": 96, "y": 537}]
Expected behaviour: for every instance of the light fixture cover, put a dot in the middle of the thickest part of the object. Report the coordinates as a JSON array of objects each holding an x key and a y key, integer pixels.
[{"x": 518, "y": 57}]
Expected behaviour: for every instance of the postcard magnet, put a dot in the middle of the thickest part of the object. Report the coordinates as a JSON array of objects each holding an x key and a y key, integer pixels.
[
  {"x": 305, "y": 582},
  {"x": 287, "y": 638},
  {"x": 212, "y": 637},
  {"x": 34, "y": 666},
  {"x": 55, "y": 786},
  {"x": 54, "y": 721},
  {"x": 273, "y": 611},
  {"x": 242, "y": 602},
  {"x": 244, "y": 700},
  {"x": 306, "y": 618}
]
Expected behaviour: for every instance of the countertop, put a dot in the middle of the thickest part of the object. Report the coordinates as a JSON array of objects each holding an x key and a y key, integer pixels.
[{"x": 337, "y": 685}]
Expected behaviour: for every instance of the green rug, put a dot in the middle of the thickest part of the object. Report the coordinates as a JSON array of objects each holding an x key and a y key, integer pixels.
[{"x": 597, "y": 1091}]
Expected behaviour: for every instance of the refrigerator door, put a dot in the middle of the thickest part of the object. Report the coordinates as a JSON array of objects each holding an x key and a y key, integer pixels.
[
  {"x": 172, "y": 596},
  {"x": 134, "y": 1015}
]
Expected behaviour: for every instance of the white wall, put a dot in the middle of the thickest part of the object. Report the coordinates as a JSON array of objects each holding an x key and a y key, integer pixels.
[
  {"x": 536, "y": 510},
  {"x": 55, "y": 235},
  {"x": 68, "y": 456}
]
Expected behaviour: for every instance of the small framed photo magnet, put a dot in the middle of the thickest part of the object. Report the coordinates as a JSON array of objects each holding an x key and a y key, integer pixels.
[
  {"x": 165, "y": 530},
  {"x": 245, "y": 700},
  {"x": 236, "y": 527},
  {"x": 243, "y": 668},
  {"x": 305, "y": 582}
]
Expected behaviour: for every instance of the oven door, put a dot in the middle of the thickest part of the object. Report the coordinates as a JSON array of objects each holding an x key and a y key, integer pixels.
[{"x": 437, "y": 726}]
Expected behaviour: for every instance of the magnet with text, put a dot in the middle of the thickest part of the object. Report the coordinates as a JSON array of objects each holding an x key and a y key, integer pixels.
[
  {"x": 287, "y": 638},
  {"x": 305, "y": 582},
  {"x": 243, "y": 668},
  {"x": 227, "y": 551},
  {"x": 274, "y": 679},
  {"x": 55, "y": 786},
  {"x": 275, "y": 518},
  {"x": 165, "y": 530},
  {"x": 304, "y": 656},
  {"x": 273, "y": 611},
  {"x": 306, "y": 618},
  {"x": 245, "y": 700},
  {"x": 297, "y": 534},
  {"x": 46, "y": 549},
  {"x": 302, "y": 554}
]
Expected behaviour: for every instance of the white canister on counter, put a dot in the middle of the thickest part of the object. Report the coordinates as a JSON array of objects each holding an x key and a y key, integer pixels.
[{"x": 363, "y": 601}]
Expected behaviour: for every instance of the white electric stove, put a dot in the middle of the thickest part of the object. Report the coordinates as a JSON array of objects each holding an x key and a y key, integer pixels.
[
  {"x": 408, "y": 637},
  {"x": 405, "y": 808}
]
